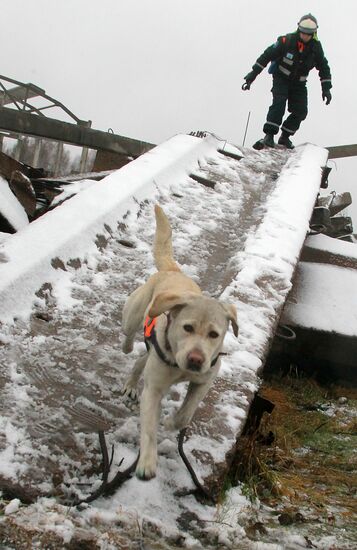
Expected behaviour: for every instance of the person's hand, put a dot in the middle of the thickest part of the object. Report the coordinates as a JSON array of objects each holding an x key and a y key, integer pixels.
[
  {"x": 249, "y": 79},
  {"x": 326, "y": 96}
]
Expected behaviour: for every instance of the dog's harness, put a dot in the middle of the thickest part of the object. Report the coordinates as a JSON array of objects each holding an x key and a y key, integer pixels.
[{"x": 150, "y": 338}]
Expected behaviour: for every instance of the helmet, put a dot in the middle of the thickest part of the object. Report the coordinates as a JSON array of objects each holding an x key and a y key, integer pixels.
[{"x": 308, "y": 24}]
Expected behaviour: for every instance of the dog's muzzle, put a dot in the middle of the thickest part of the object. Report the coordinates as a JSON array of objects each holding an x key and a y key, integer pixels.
[{"x": 195, "y": 360}]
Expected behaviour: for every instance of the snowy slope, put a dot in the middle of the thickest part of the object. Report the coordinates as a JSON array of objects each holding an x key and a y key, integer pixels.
[
  {"x": 62, "y": 370},
  {"x": 70, "y": 230}
]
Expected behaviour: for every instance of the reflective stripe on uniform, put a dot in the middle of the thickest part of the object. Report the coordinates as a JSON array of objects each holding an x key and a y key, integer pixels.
[
  {"x": 288, "y": 61},
  {"x": 273, "y": 124},
  {"x": 284, "y": 71},
  {"x": 287, "y": 130}
]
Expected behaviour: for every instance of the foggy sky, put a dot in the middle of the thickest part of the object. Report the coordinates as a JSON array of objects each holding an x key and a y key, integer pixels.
[{"x": 152, "y": 69}]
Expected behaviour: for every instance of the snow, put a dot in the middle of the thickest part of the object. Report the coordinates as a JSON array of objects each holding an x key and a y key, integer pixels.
[
  {"x": 240, "y": 240},
  {"x": 10, "y": 207},
  {"x": 271, "y": 253},
  {"x": 321, "y": 291},
  {"x": 12, "y": 507},
  {"x": 72, "y": 189}
]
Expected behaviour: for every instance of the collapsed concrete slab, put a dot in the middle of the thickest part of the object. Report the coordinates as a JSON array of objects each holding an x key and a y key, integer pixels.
[
  {"x": 316, "y": 309},
  {"x": 70, "y": 231}
]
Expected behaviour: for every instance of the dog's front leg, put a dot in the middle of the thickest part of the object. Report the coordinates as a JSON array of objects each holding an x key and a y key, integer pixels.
[
  {"x": 157, "y": 380},
  {"x": 130, "y": 386},
  {"x": 182, "y": 418},
  {"x": 150, "y": 402}
]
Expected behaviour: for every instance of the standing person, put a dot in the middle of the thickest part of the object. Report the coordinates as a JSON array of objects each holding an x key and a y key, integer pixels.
[{"x": 292, "y": 57}]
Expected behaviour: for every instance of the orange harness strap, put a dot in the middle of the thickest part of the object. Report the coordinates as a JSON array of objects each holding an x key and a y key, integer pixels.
[{"x": 149, "y": 325}]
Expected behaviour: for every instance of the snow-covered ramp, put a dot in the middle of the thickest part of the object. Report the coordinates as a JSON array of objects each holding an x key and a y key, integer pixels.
[{"x": 238, "y": 228}]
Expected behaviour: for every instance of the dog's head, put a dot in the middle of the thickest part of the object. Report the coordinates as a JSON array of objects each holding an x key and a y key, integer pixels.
[{"x": 197, "y": 328}]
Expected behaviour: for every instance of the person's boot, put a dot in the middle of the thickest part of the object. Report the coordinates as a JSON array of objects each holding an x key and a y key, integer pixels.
[
  {"x": 285, "y": 141},
  {"x": 266, "y": 141}
]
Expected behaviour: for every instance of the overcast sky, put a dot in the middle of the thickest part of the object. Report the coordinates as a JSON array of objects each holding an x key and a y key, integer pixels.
[{"x": 152, "y": 69}]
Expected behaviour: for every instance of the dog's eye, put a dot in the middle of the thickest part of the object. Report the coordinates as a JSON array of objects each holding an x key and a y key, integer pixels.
[
  {"x": 213, "y": 334},
  {"x": 188, "y": 328}
]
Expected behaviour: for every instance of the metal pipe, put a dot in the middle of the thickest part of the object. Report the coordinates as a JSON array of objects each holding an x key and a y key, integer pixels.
[{"x": 246, "y": 129}]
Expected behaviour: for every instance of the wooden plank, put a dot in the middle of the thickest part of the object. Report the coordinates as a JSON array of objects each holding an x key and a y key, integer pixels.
[{"x": 341, "y": 151}]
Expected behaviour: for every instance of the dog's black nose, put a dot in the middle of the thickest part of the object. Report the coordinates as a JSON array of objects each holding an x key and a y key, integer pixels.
[{"x": 195, "y": 361}]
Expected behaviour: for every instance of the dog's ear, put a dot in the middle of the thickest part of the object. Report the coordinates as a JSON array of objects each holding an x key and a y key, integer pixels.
[
  {"x": 166, "y": 301},
  {"x": 231, "y": 312}
]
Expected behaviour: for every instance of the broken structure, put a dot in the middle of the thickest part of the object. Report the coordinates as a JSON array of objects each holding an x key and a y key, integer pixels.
[{"x": 71, "y": 367}]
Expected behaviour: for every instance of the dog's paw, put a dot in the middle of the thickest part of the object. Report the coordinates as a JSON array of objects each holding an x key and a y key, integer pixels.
[
  {"x": 129, "y": 391},
  {"x": 128, "y": 345},
  {"x": 146, "y": 469}
]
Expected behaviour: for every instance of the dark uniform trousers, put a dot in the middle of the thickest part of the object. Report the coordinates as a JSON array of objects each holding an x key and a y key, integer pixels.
[{"x": 295, "y": 93}]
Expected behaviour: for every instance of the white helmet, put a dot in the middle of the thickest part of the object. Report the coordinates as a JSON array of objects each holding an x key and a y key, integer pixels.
[{"x": 308, "y": 24}]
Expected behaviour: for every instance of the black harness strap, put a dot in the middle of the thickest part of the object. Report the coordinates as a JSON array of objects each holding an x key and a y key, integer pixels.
[{"x": 153, "y": 340}]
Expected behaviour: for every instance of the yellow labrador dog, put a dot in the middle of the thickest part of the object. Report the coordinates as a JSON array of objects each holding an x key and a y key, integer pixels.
[{"x": 184, "y": 334}]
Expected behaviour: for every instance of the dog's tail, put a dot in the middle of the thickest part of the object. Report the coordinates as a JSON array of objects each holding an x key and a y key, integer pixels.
[{"x": 163, "y": 254}]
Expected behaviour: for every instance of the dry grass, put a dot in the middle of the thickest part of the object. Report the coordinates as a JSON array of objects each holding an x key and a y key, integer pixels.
[{"x": 312, "y": 458}]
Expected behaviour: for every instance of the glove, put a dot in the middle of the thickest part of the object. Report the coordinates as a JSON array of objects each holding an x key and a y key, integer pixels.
[
  {"x": 249, "y": 79},
  {"x": 326, "y": 95}
]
